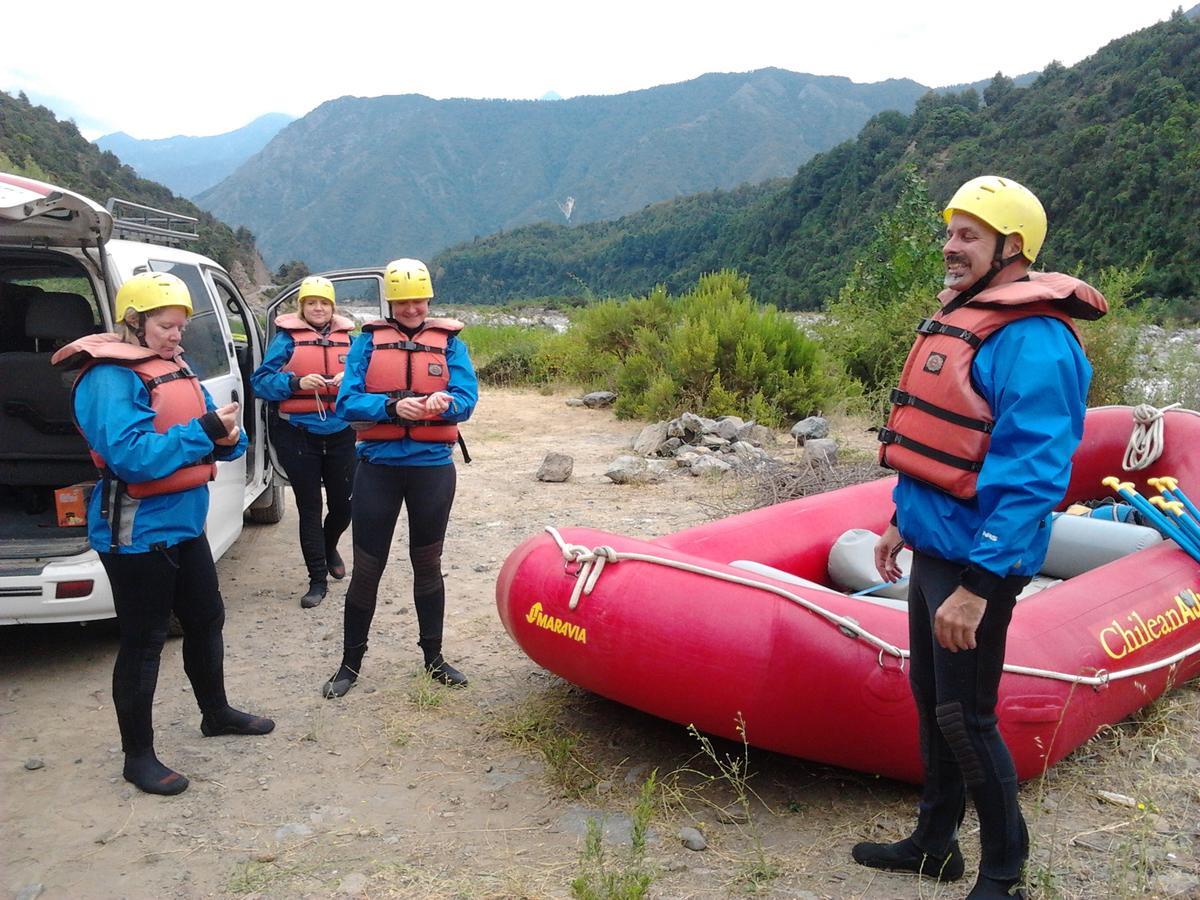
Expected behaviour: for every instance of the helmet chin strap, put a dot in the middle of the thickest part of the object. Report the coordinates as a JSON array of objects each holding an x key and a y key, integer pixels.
[{"x": 999, "y": 264}]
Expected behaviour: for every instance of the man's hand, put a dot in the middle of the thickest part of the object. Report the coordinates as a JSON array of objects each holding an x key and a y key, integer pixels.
[
  {"x": 887, "y": 548},
  {"x": 957, "y": 618},
  {"x": 411, "y": 408}
]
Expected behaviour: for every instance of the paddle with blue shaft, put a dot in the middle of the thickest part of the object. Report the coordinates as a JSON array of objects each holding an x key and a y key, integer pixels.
[
  {"x": 1170, "y": 489},
  {"x": 1144, "y": 506},
  {"x": 1186, "y": 523}
]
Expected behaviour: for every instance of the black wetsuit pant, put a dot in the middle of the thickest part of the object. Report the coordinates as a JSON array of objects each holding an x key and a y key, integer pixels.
[
  {"x": 379, "y": 492},
  {"x": 961, "y": 744},
  {"x": 311, "y": 460},
  {"x": 146, "y": 588}
]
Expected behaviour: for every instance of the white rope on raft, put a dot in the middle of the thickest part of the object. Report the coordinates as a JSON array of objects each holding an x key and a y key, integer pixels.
[
  {"x": 591, "y": 563},
  {"x": 1146, "y": 443}
]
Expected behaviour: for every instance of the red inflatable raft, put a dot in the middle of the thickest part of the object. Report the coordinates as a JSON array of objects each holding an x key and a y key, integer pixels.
[{"x": 819, "y": 674}]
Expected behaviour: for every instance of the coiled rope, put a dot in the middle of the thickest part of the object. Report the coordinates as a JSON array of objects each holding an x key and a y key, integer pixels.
[
  {"x": 1146, "y": 443},
  {"x": 591, "y": 563}
]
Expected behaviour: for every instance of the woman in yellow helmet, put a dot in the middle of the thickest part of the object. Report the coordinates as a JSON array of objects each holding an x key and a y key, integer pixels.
[
  {"x": 301, "y": 373},
  {"x": 156, "y": 435},
  {"x": 409, "y": 382}
]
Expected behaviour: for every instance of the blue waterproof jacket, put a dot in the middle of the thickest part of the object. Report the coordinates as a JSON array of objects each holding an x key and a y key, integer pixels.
[
  {"x": 357, "y": 405},
  {"x": 1035, "y": 377},
  {"x": 270, "y": 382},
  {"x": 112, "y": 407}
]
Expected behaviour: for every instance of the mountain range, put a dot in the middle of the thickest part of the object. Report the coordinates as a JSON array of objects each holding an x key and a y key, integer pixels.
[
  {"x": 1110, "y": 145},
  {"x": 188, "y": 165},
  {"x": 359, "y": 180}
]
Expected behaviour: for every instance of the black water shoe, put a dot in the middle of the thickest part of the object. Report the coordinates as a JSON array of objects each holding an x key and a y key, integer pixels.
[
  {"x": 341, "y": 682},
  {"x": 335, "y": 563},
  {"x": 234, "y": 721},
  {"x": 440, "y": 670},
  {"x": 991, "y": 889},
  {"x": 144, "y": 771},
  {"x": 905, "y": 856},
  {"x": 316, "y": 593}
]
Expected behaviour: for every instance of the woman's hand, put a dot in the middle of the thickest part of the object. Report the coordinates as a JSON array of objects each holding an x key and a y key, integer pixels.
[
  {"x": 312, "y": 382},
  {"x": 228, "y": 415},
  {"x": 231, "y": 439},
  {"x": 887, "y": 548},
  {"x": 438, "y": 402}
]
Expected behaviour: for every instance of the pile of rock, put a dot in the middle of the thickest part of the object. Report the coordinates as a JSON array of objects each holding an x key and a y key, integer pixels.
[{"x": 695, "y": 445}]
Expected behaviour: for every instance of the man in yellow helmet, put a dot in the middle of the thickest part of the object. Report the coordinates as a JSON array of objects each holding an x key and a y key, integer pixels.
[{"x": 988, "y": 412}]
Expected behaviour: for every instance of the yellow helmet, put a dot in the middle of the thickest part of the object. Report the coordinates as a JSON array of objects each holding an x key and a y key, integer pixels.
[
  {"x": 152, "y": 290},
  {"x": 316, "y": 286},
  {"x": 407, "y": 279},
  {"x": 1008, "y": 207}
]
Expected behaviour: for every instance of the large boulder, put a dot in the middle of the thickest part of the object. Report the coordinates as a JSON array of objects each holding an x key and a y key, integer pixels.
[
  {"x": 710, "y": 465},
  {"x": 728, "y": 427}
]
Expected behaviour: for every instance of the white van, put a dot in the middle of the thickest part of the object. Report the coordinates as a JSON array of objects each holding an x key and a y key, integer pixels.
[{"x": 62, "y": 259}]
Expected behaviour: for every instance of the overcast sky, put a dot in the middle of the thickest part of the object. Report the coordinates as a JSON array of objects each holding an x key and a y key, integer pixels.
[{"x": 156, "y": 69}]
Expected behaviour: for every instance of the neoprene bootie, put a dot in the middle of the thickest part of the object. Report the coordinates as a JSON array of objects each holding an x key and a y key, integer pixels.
[
  {"x": 316, "y": 593},
  {"x": 440, "y": 670},
  {"x": 234, "y": 721},
  {"x": 144, "y": 771},
  {"x": 905, "y": 856},
  {"x": 335, "y": 563},
  {"x": 991, "y": 889}
]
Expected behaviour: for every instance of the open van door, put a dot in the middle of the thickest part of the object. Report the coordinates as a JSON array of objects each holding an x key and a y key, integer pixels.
[{"x": 359, "y": 295}]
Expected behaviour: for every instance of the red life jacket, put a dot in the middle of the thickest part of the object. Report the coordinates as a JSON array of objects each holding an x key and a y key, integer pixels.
[
  {"x": 175, "y": 396},
  {"x": 315, "y": 354},
  {"x": 401, "y": 367},
  {"x": 940, "y": 427}
]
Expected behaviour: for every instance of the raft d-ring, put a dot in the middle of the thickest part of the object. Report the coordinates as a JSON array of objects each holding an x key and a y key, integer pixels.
[
  {"x": 567, "y": 567},
  {"x": 1105, "y": 677},
  {"x": 903, "y": 661}
]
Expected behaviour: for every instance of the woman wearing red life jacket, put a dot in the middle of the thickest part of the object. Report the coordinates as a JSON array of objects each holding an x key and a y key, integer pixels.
[
  {"x": 301, "y": 373},
  {"x": 409, "y": 382},
  {"x": 156, "y": 435}
]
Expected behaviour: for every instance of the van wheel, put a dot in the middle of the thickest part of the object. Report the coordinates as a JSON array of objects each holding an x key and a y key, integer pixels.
[{"x": 267, "y": 509}]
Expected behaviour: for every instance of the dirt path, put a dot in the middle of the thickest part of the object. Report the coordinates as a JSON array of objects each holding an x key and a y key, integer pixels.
[{"x": 404, "y": 790}]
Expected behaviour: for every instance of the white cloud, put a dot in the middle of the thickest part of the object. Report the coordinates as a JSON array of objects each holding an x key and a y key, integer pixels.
[{"x": 156, "y": 69}]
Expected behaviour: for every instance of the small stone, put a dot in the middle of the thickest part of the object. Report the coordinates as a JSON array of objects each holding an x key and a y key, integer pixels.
[
  {"x": 599, "y": 399},
  {"x": 353, "y": 884},
  {"x": 812, "y": 427},
  {"x": 822, "y": 450},
  {"x": 692, "y": 839},
  {"x": 34, "y": 763},
  {"x": 556, "y": 467},
  {"x": 574, "y": 401},
  {"x": 264, "y": 857}
]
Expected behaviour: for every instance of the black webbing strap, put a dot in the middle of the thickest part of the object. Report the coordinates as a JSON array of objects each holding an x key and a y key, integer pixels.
[
  {"x": 888, "y": 436},
  {"x": 462, "y": 445},
  {"x": 933, "y": 326},
  {"x": 182, "y": 372},
  {"x": 322, "y": 342},
  {"x": 409, "y": 345},
  {"x": 903, "y": 398}
]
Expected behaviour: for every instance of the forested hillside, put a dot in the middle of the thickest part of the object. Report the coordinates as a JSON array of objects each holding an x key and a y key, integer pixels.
[
  {"x": 361, "y": 180},
  {"x": 34, "y": 143},
  {"x": 1111, "y": 145}
]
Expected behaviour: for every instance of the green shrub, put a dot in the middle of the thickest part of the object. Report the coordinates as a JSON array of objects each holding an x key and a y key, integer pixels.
[{"x": 1112, "y": 341}]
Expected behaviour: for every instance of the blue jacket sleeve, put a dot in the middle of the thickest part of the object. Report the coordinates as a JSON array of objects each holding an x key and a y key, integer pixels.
[
  {"x": 113, "y": 409},
  {"x": 221, "y": 452},
  {"x": 269, "y": 381},
  {"x": 1035, "y": 377},
  {"x": 464, "y": 386},
  {"x": 354, "y": 404}
]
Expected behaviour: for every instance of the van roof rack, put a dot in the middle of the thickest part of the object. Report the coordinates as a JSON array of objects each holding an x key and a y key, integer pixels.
[{"x": 155, "y": 226}]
